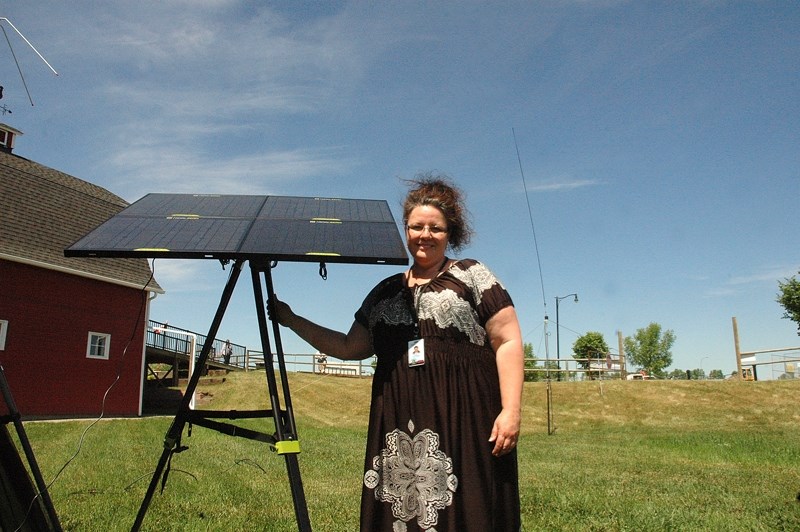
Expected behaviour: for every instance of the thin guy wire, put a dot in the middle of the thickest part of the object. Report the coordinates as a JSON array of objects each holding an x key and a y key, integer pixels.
[{"x": 530, "y": 214}]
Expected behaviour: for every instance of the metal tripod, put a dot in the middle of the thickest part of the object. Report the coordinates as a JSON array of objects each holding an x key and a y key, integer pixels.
[
  {"x": 40, "y": 515},
  {"x": 284, "y": 440}
]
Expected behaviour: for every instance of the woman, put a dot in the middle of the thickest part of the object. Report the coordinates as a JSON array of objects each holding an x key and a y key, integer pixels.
[{"x": 446, "y": 394}]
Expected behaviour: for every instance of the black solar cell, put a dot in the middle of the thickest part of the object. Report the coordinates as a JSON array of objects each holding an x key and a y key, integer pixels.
[{"x": 285, "y": 228}]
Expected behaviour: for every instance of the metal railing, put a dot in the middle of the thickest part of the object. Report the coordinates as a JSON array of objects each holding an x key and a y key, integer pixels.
[
  {"x": 159, "y": 336},
  {"x": 180, "y": 344},
  {"x": 313, "y": 363}
]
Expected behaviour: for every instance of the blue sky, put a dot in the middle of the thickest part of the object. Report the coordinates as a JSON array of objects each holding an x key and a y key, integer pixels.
[{"x": 660, "y": 144}]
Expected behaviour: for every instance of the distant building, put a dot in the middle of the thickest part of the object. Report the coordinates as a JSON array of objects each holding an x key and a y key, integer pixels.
[{"x": 69, "y": 327}]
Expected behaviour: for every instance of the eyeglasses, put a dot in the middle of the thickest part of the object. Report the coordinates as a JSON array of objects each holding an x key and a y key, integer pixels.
[{"x": 418, "y": 229}]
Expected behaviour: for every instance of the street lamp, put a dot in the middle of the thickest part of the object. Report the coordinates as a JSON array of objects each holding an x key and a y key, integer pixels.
[
  {"x": 701, "y": 367},
  {"x": 558, "y": 343}
]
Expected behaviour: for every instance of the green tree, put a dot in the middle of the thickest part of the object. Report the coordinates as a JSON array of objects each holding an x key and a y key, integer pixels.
[
  {"x": 590, "y": 346},
  {"x": 530, "y": 364},
  {"x": 789, "y": 298},
  {"x": 677, "y": 374},
  {"x": 650, "y": 349},
  {"x": 716, "y": 374}
]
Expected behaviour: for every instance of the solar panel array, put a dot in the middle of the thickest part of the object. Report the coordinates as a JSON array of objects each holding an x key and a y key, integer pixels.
[{"x": 287, "y": 228}]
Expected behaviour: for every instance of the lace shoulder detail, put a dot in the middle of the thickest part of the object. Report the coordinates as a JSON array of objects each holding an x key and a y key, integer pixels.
[
  {"x": 477, "y": 277},
  {"x": 385, "y": 303}
]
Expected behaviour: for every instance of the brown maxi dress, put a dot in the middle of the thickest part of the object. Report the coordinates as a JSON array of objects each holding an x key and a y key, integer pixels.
[{"x": 429, "y": 464}]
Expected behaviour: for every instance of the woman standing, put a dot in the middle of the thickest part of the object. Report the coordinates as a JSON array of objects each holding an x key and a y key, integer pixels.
[{"x": 446, "y": 394}]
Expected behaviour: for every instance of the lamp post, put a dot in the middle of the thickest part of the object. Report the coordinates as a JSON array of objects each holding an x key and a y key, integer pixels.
[
  {"x": 558, "y": 343},
  {"x": 701, "y": 368}
]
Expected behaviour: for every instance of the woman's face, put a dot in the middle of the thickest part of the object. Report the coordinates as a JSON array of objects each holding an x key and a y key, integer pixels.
[{"x": 426, "y": 235}]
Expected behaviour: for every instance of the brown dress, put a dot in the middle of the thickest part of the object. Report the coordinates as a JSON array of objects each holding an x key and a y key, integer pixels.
[{"x": 429, "y": 464}]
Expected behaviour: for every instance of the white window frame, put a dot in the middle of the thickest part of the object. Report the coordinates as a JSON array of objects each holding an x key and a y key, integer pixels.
[
  {"x": 93, "y": 343},
  {"x": 3, "y": 333}
]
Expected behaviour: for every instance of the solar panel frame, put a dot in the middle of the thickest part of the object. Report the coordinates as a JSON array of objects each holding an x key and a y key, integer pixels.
[{"x": 219, "y": 226}]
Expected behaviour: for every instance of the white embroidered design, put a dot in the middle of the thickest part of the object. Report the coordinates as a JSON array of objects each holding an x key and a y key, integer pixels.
[
  {"x": 447, "y": 309},
  {"x": 414, "y": 476},
  {"x": 477, "y": 277},
  {"x": 392, "y": 311}
]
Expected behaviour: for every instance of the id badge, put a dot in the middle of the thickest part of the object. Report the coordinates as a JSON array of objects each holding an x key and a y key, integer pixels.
[{"x": 416, "y": 352}]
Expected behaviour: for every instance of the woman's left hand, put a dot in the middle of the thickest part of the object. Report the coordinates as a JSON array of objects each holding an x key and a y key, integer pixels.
[{"x": 505, "y": 432}]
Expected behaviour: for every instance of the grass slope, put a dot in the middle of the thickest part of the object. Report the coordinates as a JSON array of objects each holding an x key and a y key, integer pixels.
[{"x": 664, "y": 455}]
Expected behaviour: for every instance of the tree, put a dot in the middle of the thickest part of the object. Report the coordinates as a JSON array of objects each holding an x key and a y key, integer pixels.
[
  {"x": 590, "y": 346},
  {"x": 677, "y": 375},
  {"x": 716, "y": 374},
  {"x": 789, "y": 298},
  {"x": 530, "y": 364},
  {"x": 649, "y": 349}
]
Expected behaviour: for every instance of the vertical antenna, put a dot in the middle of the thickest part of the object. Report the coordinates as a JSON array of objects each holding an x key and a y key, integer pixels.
[
  {"x": 530, "y": 214},
  {"x": 551, "y": 426}
]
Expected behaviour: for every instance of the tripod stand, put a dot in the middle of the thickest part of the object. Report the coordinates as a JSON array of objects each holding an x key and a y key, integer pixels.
[
  {"x": 24, "y": 508},
  {"x": 284, "y": 441}
]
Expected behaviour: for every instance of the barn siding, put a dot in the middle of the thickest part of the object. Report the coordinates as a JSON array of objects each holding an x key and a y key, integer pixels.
[{"x": 50, "y": 315}]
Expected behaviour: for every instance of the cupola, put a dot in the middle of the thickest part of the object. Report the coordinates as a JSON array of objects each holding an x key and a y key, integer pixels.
[{"x": 7, "y": 136}]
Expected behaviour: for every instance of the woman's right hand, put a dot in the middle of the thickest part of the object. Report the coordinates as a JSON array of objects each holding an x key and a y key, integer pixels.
[{"x": 280, "y": 312}]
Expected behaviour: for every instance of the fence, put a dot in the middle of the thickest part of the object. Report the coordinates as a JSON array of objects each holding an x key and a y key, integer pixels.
[
  {"x": 567, "y": 369},
  {"x": 747, "y": 362},
  {"x": 180, "y": 343},
  {"x": 166, "y": 337},
  {"x": 314, "y": 363}
]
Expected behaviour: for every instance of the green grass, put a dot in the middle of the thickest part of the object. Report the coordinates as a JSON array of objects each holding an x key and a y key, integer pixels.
[{"x": 638, "y": 456}]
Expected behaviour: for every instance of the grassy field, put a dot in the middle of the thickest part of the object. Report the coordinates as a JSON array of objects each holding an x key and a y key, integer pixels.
[{"x": 645, "y": 455}]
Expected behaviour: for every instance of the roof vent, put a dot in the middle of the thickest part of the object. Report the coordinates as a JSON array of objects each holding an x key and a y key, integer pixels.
[{"x": 7, "y": 136}]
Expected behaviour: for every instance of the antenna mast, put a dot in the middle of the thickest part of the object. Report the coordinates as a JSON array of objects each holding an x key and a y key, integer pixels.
[
  {"x": 19, "y": 69},
  {"x": 551, "y": 427}
]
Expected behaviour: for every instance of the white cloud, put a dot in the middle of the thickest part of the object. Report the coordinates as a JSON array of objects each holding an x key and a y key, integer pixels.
[
  {"x": 560, "y": 184},
  {"x": 176, "y": 275},
  {"x": 182, "y": 169},
  {"x": 739, "y": 284},
  {"x": 771, "y": 274}
]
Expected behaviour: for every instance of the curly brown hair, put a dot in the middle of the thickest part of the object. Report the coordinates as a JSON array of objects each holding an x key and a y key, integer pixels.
[{"x": 438, "y": 190}]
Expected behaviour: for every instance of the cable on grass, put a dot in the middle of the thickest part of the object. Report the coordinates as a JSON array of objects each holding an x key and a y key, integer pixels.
[{"x": 249, "y": 461}]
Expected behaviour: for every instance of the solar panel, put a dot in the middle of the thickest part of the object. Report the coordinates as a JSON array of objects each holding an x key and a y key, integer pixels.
[{"x": 288, "y": 228}]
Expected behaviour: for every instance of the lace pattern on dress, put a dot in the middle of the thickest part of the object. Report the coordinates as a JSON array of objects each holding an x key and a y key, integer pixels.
[
  {"x": 414, "y": 476},
  {"x": 447, "y": 309},
  {"x": 478, "y": 277},
  {"x": 391, "y": 311}
]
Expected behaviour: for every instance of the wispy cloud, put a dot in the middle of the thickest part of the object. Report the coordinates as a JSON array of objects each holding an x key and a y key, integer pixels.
[
  {"x": 563, "y": 184},
  {"x": 770, "y": 274},
  {"x": 737, "y": 284},
  {"x": 182, "y": 275},
  {"x": 181, "y": 169}
]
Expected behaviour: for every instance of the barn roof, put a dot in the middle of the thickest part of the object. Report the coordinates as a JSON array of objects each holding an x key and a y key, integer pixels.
[{"x": 43, "y": 211}]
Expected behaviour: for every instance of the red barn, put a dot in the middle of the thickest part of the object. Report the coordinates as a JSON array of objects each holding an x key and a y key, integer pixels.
[{"x": 72, "y": 330}]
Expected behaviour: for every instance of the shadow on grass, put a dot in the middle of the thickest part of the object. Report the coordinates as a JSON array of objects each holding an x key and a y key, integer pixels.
[{"x": 160, "y": 400}]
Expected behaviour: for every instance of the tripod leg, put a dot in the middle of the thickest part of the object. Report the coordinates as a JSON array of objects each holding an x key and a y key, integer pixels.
[
  {"x": 288, "y": 432},
  {"x": 176, "y": 429},
  {"x": 41, "y": 485}
]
